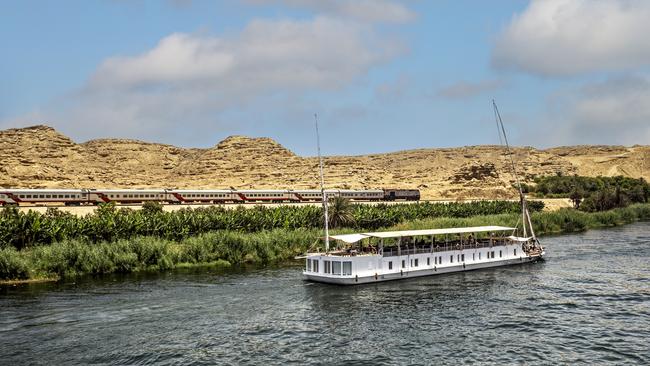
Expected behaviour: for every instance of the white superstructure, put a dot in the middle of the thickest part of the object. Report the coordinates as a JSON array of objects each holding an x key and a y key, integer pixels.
[{"x": 384, "y": 256}]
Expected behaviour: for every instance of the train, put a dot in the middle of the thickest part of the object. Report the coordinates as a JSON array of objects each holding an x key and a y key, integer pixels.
[{"x": 76, "y": 197}]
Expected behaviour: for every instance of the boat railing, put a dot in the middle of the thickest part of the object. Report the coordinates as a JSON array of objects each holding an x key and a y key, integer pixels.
[{"x": 443, "y": 247}]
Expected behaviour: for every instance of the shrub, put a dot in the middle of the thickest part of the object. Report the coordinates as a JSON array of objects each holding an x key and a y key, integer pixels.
[{"x": 12, "y": 265}]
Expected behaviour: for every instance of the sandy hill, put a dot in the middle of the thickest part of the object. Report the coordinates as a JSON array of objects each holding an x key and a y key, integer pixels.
[{"x": 41, "y": 157}]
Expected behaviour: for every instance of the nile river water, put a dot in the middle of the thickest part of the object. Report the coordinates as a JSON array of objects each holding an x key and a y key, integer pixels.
[{"x": 589, "y": 303}]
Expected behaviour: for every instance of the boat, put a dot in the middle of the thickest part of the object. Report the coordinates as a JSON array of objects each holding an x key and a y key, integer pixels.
[{"x": 369, "y": 257}]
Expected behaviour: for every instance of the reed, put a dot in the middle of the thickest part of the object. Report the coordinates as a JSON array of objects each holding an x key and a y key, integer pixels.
[{"x": 227, "y": 247}]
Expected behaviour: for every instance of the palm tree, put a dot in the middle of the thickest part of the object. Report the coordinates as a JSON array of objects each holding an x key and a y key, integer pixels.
[{"x": 340, "y": 212}]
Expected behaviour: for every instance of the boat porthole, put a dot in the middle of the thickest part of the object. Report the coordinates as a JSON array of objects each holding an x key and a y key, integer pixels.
[{"x": 356, "y": 278}]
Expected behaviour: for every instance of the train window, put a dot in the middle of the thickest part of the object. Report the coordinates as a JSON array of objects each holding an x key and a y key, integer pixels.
[
  {"x": 21, "y": 195},
  {"x": 67, "y": 196},
  {"x": 60, "y": 196},
  {"x": 48, "y": 196}
]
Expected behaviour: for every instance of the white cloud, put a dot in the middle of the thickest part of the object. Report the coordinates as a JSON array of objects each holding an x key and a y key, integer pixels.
[
  {"x": 566, "y": 37},
  {"x": 187, "y": 81},
  {"x": 465, "y": 89},
  {"x": 323, "y": 53},
  {"x": 615, "y": 111},
  {"x": 364, "y": 10}
]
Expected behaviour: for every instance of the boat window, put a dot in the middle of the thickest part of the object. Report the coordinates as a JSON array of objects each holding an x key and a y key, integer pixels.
[
  {"x": 440, "y": 260},
  {"x": 390, "y": 265},
  {"x": 416, "y": 262},
  {"x": 515, "y": 253},
  {"x": 500, "y": 253},
  {"x": 479, "y": 255},
  {"x": 451, "y": 259},
  {"x": 347, "y": 268},
  {"x": 462, "y": 257},
  {"x": 328, "y": 266},
  {"x": 492, "y": 254},
  {"x": 308, "y": 265},
  {"x": 435, "y": 260},
  {"x": 336, "y": 268},
  {"x": 428, "y": 261},
  {"x": 473, "y": 256},
  {"x": 403, "y": 263},
  {"x": 315, "y": 263}
]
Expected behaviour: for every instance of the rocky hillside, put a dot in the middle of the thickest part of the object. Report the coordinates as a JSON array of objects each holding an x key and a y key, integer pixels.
[{"x": 40, "y": 157}]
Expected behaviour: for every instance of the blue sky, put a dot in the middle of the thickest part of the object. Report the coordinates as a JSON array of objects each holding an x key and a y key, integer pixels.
[{"x": 382, "y": 75}]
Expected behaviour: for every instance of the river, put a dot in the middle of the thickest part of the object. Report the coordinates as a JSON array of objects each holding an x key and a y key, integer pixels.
[{"x": 588, "y": 303}]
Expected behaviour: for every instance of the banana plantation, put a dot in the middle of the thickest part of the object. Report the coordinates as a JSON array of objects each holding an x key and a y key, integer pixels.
[{"x": 23, "y": 230}]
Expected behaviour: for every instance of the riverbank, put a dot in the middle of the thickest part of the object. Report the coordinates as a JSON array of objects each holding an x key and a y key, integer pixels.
[{"x": 226, "y": 247}]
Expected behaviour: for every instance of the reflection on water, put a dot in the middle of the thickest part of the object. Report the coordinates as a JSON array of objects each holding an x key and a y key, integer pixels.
[{"x": 588, "y": 303}]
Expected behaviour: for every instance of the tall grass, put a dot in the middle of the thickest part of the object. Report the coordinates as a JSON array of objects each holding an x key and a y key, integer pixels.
[{"x": 225, "y": 247}]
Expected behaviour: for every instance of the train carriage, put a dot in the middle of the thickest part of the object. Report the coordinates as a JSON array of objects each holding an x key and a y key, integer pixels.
[
  {"x": 313, "y": 195},
  {"x": 41, "y": 196},
  {"x": 362, "y": 195},
  {"x": 126, "y": 196},
  {"x": 274, "y": 196},
  {"x": 179, "y": 196}
]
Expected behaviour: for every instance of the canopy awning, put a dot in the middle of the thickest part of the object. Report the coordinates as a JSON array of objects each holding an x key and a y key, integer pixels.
[
  {"x": 353, "y": 238},
  {"x": 516, "y": 238},
  {"x": 349, "y": 238}
]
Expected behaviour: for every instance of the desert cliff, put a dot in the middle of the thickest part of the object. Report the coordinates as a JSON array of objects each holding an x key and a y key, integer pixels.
[{"x": 41, "y": 157}]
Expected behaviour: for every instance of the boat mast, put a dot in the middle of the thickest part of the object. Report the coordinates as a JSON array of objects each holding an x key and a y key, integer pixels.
[
  {"x": 322, "y": 187},
  {"x": 525, "y": 215}
]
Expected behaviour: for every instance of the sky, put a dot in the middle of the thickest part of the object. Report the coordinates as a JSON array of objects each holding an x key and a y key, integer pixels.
[{"x": 382, "y": 75}]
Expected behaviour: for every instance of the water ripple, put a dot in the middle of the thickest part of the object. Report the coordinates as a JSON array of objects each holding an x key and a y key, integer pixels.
[{"x": 587, "y": 304}]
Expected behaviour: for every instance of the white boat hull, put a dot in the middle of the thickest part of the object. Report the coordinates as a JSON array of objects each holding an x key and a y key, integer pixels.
[{"x": 411, "y": 273}]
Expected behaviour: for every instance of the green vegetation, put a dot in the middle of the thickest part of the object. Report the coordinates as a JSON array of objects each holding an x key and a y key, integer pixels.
[
  {"x": 109, "y": 224},
  {"x": 592, "y": 194},
  {"x": 227, "y": 247}
]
